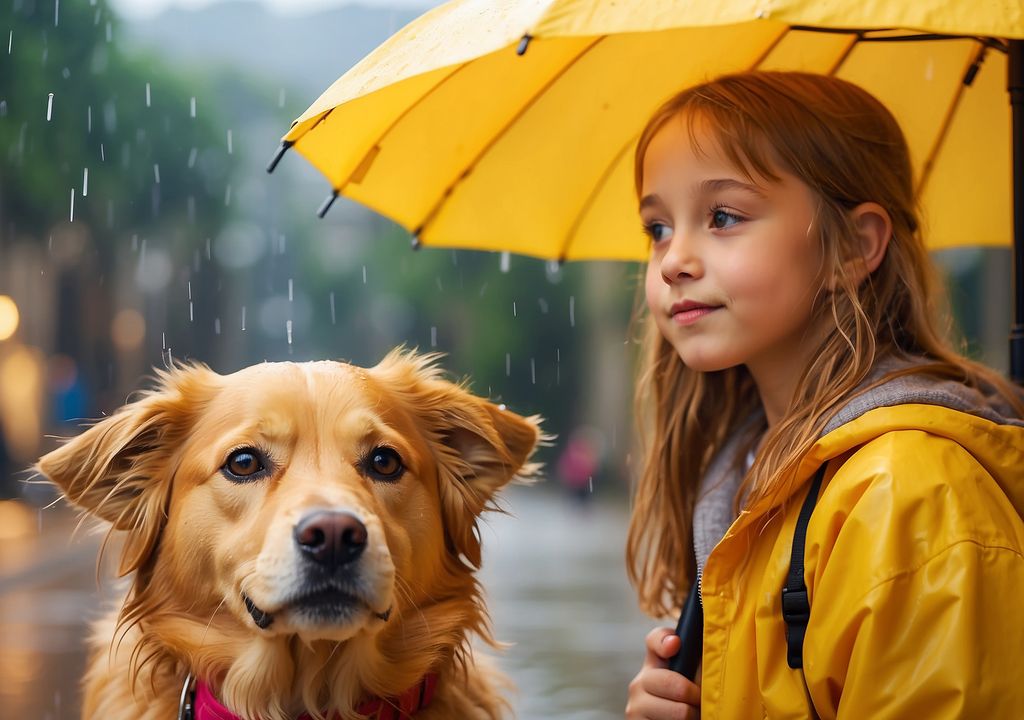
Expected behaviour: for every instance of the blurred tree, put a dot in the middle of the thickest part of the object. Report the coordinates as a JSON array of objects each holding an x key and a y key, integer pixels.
[{"x": 107, "y": 162}]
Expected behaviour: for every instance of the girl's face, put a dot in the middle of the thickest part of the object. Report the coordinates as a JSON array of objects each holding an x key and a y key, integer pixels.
[{"x": 734, "y": 266}]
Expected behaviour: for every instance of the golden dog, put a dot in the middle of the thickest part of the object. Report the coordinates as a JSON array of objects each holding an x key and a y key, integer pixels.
[{"x": 302, "y": 540}]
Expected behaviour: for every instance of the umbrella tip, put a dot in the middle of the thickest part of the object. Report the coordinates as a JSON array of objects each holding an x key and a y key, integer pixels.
[
  {"x": 416, "y": 242},
  {"x": 327, "y": 204},
  {"x": 285, "y": 144},
  {"x": 524, "y": 43}
]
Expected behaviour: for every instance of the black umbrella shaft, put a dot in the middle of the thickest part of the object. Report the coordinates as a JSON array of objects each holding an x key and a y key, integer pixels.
[{"x": 1015, "y": 85}]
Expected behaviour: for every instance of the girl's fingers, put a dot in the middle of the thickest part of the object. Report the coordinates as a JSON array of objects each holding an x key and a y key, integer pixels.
[
  {"x": 662, "y": 644},
  {"x": 652, "y": 708},
  {"x": 668, "y": 685},
  {"x": 660, "y": 694}
]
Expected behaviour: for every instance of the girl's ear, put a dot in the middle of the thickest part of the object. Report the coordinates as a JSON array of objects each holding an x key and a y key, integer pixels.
[{"x": 874, "y": 230}]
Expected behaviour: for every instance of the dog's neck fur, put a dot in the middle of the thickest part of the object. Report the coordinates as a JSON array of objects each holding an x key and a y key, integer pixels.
[{"x": 282, "y": 677}]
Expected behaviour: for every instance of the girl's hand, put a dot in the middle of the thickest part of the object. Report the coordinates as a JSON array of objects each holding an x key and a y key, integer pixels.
[{"x": 658, "y": 693}]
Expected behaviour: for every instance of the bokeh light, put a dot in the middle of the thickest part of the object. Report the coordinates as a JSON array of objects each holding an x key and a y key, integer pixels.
[{"x": 8, "y": 317}]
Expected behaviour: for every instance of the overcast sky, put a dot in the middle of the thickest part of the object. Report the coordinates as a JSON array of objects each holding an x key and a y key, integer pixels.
[{"x": 147, "y": 8}]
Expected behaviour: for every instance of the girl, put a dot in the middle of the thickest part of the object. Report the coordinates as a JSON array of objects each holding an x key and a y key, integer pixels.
[{"x": 792, "y": 326}]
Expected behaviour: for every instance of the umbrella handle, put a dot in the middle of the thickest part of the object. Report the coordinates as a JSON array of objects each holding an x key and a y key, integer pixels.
[{"x": 690, "y": 630}]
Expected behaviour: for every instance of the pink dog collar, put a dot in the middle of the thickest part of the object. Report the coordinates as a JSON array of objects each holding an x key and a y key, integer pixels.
[{"x": 205, "y": 706}]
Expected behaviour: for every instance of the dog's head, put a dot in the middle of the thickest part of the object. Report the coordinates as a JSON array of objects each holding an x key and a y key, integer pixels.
[{"x": 318, "y": 500}]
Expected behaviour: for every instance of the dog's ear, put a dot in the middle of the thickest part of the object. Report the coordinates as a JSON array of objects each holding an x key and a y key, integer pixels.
[
  {"x": 479, "y": 446},
  {"x": 121, "y": 468}
]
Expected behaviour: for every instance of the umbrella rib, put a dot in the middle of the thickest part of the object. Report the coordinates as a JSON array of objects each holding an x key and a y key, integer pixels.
[
  {"x": 363, "y": 166},
  {"x": 591, "y": 199},
  {"x": 972, "y": 68},
  {"x": 432, "y": 213}
]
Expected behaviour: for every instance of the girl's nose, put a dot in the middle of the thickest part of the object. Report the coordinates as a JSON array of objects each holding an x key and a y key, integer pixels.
[{"x": 680, "y": 259}]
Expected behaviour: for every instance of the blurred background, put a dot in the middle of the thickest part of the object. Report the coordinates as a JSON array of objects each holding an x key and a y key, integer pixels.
[{"x": 138, "y": 226}]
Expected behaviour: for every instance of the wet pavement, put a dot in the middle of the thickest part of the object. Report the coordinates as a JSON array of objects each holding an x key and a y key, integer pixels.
[{"x": 553, "y": 572}]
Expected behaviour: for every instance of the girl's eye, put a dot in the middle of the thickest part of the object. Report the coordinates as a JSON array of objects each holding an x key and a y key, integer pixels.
[
  {"x": 383, "y": 463},
  {"x": 722, "y": 218},
  {"x": 657, "y": 231},
  {"x": 244, "y": 464}
]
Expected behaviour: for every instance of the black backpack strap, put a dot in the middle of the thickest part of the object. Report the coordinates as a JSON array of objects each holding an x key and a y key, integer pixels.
[{"x": 796, "y": 608}]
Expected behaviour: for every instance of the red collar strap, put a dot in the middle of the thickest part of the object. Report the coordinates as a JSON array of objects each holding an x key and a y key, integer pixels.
[{"x": 206, "y": 707}]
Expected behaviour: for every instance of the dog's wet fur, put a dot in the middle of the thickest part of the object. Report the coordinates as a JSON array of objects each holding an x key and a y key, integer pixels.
[{"x": 300, "y": 536}]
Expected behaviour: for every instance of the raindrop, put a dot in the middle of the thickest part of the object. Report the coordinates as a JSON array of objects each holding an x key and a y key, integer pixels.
[
  {"x": 543, "y": 306},
  {"x": 110, "y": 32},
  {"x": 72, "y": 205},
  {"x": 288, "y": 329},
  {"x": 193, "y": 153},
  {"x": 163, "y": 340},
  {"x": 192, "y": 107},
  {"x": 49, "y": 106},
  {"x": 364, "y": 274},
  {"x": 103, "y": 156},
  {"x": 280, "y": 96},
  {"x": 156, "y": 172},
  {"x": 88, "y": 123},
  {"x": 56, "y": 12},
  {"x": 508, "y": 364},
  {"x": 10, "y": 42},
  {"x": 65, "y": 73},
  {"x": 216, "y": 326},
  {"x": 332, "y": 310},
  {"x": 3, "y": 108},
  {"x": 85, "y": 182},
  {"x": 572, "y": 311},
  {"x": 506, "y": 261},
  {"x": 229, "y": 142},
  {"x": 147, "y": 95},
  {"x": 208, "y": 255},
  {"x": 291, "y": 295},
  {"x": 191, "y": 317},
  {"x": 227, "y": 195},
  {"x": 243, "y": 318},
  {"x": 514, "y": 309},
  {"x": 533, "y": 372},
  {"x": 433, "y": 336},
  {"x": 591, "y": 480}
]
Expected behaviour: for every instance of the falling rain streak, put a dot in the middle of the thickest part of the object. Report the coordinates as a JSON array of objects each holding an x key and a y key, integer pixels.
[
  {"x": 288, "y": 327},
  {"x": 56, "y": 12},
  {"x": 506, "y": 261},
  {"x": 243, "y": 318},
  {"x": 72, "y": 205},
  {"x": 10, "y": 42},
  {"x": 572, "y": 311},
  {"x": 192, "y": 109},
  {"x": 49, "y": 106},
  {"x": 85, "y": 182},
  {"x": 147, "y": 95},
  {"x": 433, "y": 336},
  {"x": 229, "y": 143},
  {"x": 156, "y": 172},
  {"x": 332, "y": 310}
]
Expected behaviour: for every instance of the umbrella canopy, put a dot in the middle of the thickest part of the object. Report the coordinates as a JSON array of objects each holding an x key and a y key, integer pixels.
[{"x": 511, "y": 125}]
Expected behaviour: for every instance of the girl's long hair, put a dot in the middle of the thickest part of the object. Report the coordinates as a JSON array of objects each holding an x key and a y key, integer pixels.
[{"x": 847, "y": 147}]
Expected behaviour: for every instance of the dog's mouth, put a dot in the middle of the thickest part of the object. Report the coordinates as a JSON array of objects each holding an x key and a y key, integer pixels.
[{"x": 328, "y": 605}]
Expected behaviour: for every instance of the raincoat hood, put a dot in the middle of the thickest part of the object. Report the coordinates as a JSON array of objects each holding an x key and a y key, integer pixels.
[{"x": 914, "y": 564}]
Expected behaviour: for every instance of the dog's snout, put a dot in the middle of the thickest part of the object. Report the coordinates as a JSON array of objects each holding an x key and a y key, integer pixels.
[{"x": 331, "y": 538}]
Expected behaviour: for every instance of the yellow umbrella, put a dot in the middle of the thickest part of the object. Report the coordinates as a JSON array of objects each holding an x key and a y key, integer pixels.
[{"x": 511, "y": 125}]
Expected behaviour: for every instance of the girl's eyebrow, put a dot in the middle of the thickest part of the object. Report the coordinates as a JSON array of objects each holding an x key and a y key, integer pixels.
[
  {"x": 649, "y": 200},
  {"x": 720, "y": 184}
]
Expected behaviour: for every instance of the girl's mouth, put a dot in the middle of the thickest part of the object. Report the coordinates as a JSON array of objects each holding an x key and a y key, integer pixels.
[{"x": 689, "y": 312}]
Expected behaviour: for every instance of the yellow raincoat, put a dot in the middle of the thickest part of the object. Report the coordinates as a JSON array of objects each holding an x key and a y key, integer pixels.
[{"x": 915, "y": 571}]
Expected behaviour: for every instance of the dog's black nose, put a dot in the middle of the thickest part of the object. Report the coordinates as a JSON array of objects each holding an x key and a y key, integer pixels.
[{"x": 331, "y": 538}]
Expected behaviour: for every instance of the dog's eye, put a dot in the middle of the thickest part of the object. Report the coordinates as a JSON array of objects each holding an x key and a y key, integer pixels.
[
  {"x": 243, "y": 464},
  {"x": 384, "y": 463}
]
